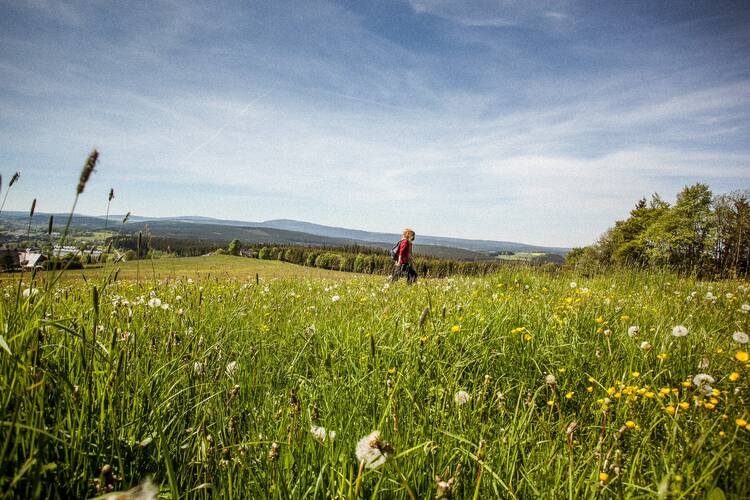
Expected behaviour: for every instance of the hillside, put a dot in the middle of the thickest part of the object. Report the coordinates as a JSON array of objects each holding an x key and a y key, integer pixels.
[{"x": 280, "y": 231}]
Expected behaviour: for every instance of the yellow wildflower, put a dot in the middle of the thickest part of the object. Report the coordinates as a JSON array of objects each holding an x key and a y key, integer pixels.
[
  {"x": 630, "y": 424},
  {"x": 455, "y": 329},
  {"x": 741, "y": 422},
  {"x": 741, "y": 356},
  {"x": 569, "y": 395},
  {"x": 603, "y": 476},
  {"x": 734, "y": 377},
  {"x": 670, "y": 409}
]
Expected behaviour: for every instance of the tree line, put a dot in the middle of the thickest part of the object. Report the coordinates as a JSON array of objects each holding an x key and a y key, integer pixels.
[
  {"x": 700, "y": 234},
  {"x": 360, "y": 259}
]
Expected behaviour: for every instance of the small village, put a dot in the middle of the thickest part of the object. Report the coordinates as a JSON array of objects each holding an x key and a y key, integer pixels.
[{"x": 35, "y": 258}]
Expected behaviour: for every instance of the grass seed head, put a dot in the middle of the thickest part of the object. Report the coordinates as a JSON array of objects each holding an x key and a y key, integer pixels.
[{"x": 88, "y": 169}]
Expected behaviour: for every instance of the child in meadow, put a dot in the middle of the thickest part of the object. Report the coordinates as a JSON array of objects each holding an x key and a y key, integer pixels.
[{"x": 404, "y": 265}]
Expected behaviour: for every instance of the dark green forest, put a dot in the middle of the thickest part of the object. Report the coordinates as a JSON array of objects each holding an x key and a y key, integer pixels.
[{"x": 701, "y": 233}]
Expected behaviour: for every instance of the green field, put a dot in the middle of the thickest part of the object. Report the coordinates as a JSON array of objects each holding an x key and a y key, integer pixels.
[
  {"x": 518, "y": 385},
  {"x": 211, "y": 267},
  {"x": 521, "y": 256}
]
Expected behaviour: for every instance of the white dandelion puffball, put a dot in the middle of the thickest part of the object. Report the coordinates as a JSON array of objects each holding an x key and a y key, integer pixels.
[
  {"x": 368, "y": 450},
  {"x": 550, "y": 379},
  {"x": 231, "y": 368},
  {"x": 707, "y": 390},
  {"x": 155, "y": 302},
  {"x": 335, "y": 298},
  {"x": 703, "y": 379},
  {"x": 745, "y": 308},
  {"x": 30, "y": 292},
  {"x": 679, "y": 331},
  {"x": 740, "y": 337},
  {"x": 573, "y": 284},
  {"x": 633, "y": 331},
  {"x": 645, "y": 346},
  {"x": 321, "y": 434},
  {"x": 461, "y": 398}
]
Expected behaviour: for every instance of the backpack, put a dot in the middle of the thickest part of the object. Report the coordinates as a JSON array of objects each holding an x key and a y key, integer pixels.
[{"x": 395, "y": 253}]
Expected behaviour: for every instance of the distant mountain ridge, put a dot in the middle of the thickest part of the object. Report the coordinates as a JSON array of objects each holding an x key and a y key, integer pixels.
[{"x": 303, "y": 232}]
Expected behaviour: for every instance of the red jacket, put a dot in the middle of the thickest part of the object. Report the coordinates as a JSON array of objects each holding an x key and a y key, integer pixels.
[{"x": 404, "y": 252}]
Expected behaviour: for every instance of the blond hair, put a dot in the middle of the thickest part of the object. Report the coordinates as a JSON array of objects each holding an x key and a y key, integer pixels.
[{"x": 408, "y": 234}]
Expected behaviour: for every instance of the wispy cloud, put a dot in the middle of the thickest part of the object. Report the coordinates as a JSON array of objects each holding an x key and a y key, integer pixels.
[{"x": 371, "y": 115}]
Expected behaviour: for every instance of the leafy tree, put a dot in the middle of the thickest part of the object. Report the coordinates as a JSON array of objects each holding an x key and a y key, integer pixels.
[{"x": 235, "y": 246}]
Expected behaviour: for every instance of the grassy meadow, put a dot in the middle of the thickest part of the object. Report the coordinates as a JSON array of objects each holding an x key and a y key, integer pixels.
[{"x": 197, "y": 382}]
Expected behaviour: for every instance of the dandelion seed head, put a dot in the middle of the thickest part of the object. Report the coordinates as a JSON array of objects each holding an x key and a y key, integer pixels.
[
  {"x": 461, "y": 398},
  {"x": 231, "y": 368},
  {"x": 371, "y": 450},
  {"x": 679, "y": 331},
  {"x": 703, "y": 379},
  {"x": 740, "y": 337}
]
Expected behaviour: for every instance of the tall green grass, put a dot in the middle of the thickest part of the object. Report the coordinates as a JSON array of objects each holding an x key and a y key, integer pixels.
[{"x": 103, "y": 386}]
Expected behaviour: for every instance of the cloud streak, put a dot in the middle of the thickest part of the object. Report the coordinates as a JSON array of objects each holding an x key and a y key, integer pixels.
[{"x": 542, "y": 123}]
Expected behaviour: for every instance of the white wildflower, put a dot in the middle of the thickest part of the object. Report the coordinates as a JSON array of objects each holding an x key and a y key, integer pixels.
[
  {"x": 154, "y": 302},
  {"x": 679, "y": 331},
  {"x": 372, "y": 451},
  {"x": 645, "y": 346},
  {"x": 335, "y": 298},
  {"x": 573, "y": 284},
  {"x": 30, "y": 292},
  {"x": 461, "y": 398},
  {"x": 633, "y": 331},
  {"x": 740, "y": 337},
  {"x": 144, "y": 491},
  {"x": 231, "y": 368},
  {"x": 550, "y": 379},
  {"x": 703, "y": 379},
  {"x": 165, "y": 306},
  {"x": 321, "y": 434},
  {"x": 745, "y": 308}
]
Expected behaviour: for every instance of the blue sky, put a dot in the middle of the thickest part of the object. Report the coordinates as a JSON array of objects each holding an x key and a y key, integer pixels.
[{"x": 531, "y": 121}]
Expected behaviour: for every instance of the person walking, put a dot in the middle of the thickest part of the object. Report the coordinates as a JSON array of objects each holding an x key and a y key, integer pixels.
[{"x": 404, "y": 263}]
